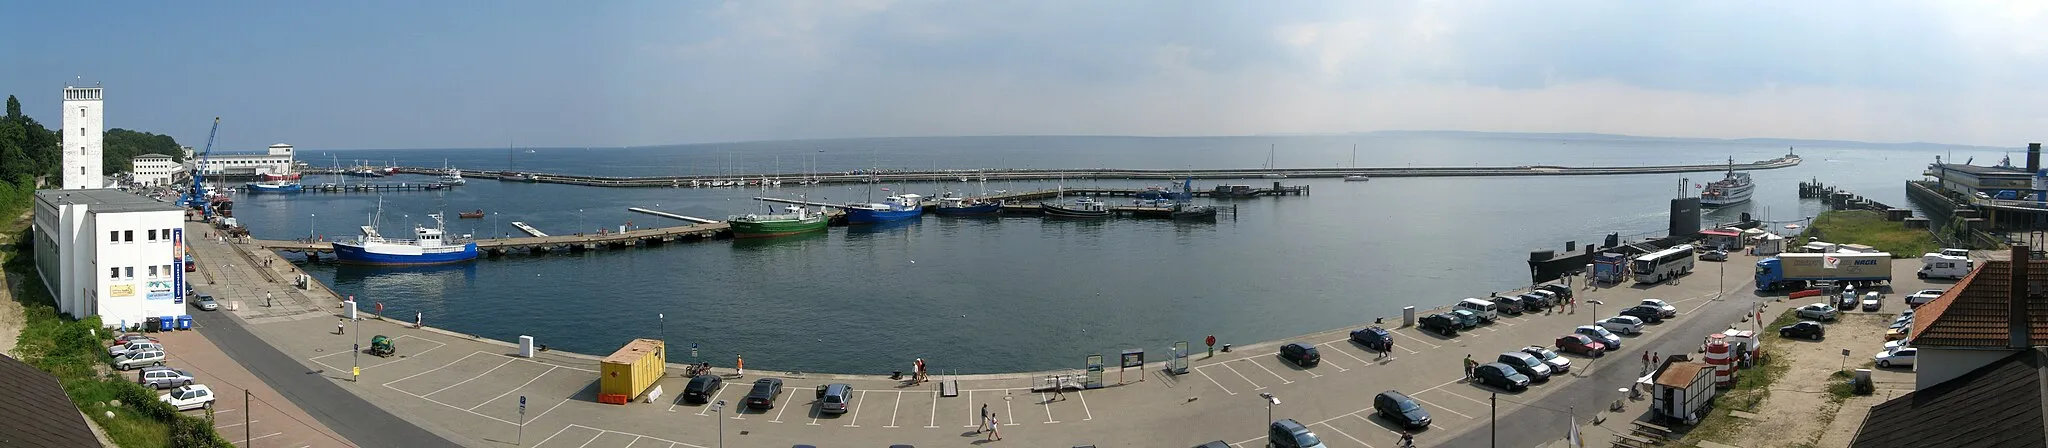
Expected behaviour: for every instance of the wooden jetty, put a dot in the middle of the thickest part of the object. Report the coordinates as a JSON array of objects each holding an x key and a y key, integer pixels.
[
  {"x": 541, "y": 244},
  {"x": 671, "y": 215},
  {"x": 753, "y": 180}
]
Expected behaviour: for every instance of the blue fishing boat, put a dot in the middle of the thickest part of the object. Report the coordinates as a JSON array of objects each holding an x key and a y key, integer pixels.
[
  {"x": 275, "y": 187},
  {"x": 429, "y": 246},
  {"x": 957, "y": 206},
  {"x": 893, "y": 208}
]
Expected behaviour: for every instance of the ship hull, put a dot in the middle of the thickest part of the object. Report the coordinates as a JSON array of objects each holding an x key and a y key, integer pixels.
[
  {"x": 865, "y": 216},
  {"x": 982, "y": 209},
  {"x": 391, "y": 254},
  {"x": 1729, "y": 196},
  {"x": 766, "y": 229},
  {"x": 287, "y": 188}
]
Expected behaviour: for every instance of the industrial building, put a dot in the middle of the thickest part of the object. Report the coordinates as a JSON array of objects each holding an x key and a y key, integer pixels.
[
  {"x": 154, "y": 170},
  {"x": 277, "y": 161},
  {"x": 109, "y": 253}
]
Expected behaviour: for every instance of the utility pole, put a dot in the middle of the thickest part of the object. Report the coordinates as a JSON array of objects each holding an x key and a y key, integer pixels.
[
  {"x": 719, "y": 409},
  {"x": 1493, "y": 420},
  {"x": 245, "y": 420}
]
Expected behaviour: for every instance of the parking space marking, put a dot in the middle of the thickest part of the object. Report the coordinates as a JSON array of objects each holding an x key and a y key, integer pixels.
[
  {"x": 237, "y": 424},
  {"x": 1084, "y": 406},
  {"x": 1416, "y": 339},
  {"x": 437, "y": 345},
  {"x": 714, "y": 399},
  {"x": 856, "y": 409},
  {"x": 1255, "y": 385},
  {"x": 1012, "y": 413},
  {"x": 1346, "y": 435},
  {"x": 671, "y": 408},
  {"x": 261, "y": 437},
  {"x": 1446, "y": 409},
  {"x": 893, "y": 409},
  {"x": 1454, "y": 394},
  {"x": 783, "y": 408},
  {"x": 1212, "y": 380},
  {"x": 473, "y": 378},
  {"x": 592, "y": 439},
  {"x": 1332, "y": 345},
  {"x": 1501, "y": 322},
  {"x": 1047, "y": 403},
  {"x": 934, "y": 423},
  {"x": 542, "y": 413},
  {"x": 971, "y": 423},
  {"x": 635, "y": 440},
  {"x": 443, "y": 366},
  {"x": 601, "y": 432},
  {"x": 1283, "y": 380}
]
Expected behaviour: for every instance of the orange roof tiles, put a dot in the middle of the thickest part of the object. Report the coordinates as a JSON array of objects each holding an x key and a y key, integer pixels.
[{"x": 1973, "y": 313}]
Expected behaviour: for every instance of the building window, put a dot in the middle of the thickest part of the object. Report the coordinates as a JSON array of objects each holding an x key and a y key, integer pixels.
[
  {"x": 113, "y": 273},
  {"x": 152, "y": 235},
  {"x": 81, "y": 112},
  {"x": 167, "y": 270},
  {"x": 152, "y": 271},
  {"x": 128, "y": 236},
  {"x": 130, "y": 271},
  {"x": 113, "y": 236}
]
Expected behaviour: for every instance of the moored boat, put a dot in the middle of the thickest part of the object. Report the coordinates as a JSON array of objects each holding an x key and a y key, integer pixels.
[
  {"x": 1080, "y": 208},
  {"x": 958, "y": 206},
  {"x": 267, "y": 177},
  {"x": 429, "y": 246},
  {"x": 1356, "y": 178},
  {"x": 893, "y": 208},
  {"x": 478, "y": 214},
  {"x": 1187, "y": 212},
  {"x": 797, "y": 220},
  {"x": 275, "y": 187}
]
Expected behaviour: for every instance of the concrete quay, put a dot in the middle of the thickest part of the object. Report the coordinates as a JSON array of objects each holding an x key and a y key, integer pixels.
[
  {"x": 578, "y": 242},
  {"x": 466, "y": 389}
]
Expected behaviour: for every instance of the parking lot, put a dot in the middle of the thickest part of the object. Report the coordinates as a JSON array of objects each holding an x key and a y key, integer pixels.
[{"x": 267, "y": 418}]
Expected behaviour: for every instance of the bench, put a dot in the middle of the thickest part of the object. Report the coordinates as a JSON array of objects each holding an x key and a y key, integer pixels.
[
  {"x": 1651, "y": 429},
  {"x": 1625, "y": 440}
]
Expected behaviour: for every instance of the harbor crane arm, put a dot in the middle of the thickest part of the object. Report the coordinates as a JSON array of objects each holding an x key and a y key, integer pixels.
[{"x": 197, "y": 197}]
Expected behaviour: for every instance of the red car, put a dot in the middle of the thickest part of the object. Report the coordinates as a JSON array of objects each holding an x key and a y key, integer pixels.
[{"x": 1580, "y": 344}]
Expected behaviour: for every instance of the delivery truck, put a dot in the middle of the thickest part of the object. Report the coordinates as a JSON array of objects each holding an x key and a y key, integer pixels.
[
  {"x": 1796, "y": 271},
  {"x": 1935, "y": 265}
]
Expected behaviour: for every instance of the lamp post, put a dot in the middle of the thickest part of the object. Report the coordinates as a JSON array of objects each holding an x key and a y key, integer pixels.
[
  {"x": 1270, "y": 402},
  {"x": 719, "y": 410},
  {"x": 310, "y": 219}
]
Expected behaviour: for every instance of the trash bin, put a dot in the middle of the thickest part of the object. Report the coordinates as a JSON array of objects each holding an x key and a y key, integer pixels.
[
  {"x": 168, "y": 322},
  {"x": 150, "y": 324},
  {"x": 184, "y": 322}
]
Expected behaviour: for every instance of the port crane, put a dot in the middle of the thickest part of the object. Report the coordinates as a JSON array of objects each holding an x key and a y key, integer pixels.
[{"x": 196, "y": 198}]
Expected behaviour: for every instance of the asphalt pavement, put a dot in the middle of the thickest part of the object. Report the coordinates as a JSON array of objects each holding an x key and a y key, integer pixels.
[{"x": 361, "y": 422}]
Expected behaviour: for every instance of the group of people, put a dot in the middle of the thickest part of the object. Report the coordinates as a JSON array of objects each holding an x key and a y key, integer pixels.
[
  {"x": 988, "y": 424},
  {"x": 917, "y": 373}
]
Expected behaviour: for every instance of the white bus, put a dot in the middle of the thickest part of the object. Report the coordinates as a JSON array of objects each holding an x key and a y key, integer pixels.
[{"x": 1656, "y": 266}]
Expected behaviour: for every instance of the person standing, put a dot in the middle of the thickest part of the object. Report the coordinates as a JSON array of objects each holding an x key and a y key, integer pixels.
[
  {"x": 1469, "y": 365},
  {"x": 339, "y": 328}
]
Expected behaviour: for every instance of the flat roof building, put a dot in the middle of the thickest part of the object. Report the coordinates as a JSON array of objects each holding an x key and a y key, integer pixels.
[
  {"x": 154, "y": 170},
  {"x": 111, "y": 254}
]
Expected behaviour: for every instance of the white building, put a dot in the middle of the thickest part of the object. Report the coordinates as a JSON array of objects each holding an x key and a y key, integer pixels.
[
  {"x": 154, "y": 170},
  {"x": 84, "y": 132},
  {"x": 112, "y": 254},
  {"x": 278, "y": 160}
]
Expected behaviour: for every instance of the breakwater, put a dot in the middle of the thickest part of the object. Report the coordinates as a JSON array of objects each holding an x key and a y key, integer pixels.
[{"x": 754, "y": 179}]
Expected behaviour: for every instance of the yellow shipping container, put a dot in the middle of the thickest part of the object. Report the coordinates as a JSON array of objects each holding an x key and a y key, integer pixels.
[{"x": 632, "y": 369}]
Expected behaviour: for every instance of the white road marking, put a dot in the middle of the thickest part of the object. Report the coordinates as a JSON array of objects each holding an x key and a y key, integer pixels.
[
  {"x": 1416, "y": 339},
  {"x": 473, "y": 378},
  {"x": 1255, "y": 385},
  {"x": 1333, "y": 347},
  {"x": 1445, "y": 409},
  {"x": 1347, "y": 435},
  {"x": 714, "y": 399},
  {"x": 443, "y": 366},
  {"x": 236, "y": 424},
  {"x": 671, "y": 408},
  {"x": 592, "y": 439},
  {"x": 894, "y": 409},
  {"x": 1084, "y": 406},
  {"x": 261, "y": 437},
  {"x": 784, "y": 407},
  {"x": 1212, "y": 380},
  {"x": 544, "y": 413},
  {"x": 1047, "y": 402},
  {"x": 934, "y": 423},
  {"x": 1283, "y": 380},
  {"x": 856, "y": 409}
]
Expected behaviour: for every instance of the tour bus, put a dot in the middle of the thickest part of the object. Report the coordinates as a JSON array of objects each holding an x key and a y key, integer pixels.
[{"x": 1656, "y": 266}]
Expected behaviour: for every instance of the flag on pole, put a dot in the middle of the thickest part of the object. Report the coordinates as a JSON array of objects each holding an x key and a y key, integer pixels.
[{"x": 1575, "y": 440}]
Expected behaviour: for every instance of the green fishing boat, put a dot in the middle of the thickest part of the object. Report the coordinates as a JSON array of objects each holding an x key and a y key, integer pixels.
[{"x": 798, "y": 220}]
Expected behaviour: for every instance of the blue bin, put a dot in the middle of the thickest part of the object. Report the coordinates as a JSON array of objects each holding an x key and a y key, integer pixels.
[
  {"x": 169, "y": 322},
  {"x": 184, "y": 322}
]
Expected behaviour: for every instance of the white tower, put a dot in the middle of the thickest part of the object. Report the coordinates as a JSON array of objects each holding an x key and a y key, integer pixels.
[{"x": 83, "y": 133}]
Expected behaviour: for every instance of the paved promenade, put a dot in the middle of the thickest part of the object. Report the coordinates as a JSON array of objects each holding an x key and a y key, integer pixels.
[{"x": 467, "y": 389}]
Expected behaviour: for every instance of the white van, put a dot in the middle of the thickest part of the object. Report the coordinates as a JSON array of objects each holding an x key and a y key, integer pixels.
[
  {"x": 1487, "y": 311},
  {"x": 1945, "y": 266}
]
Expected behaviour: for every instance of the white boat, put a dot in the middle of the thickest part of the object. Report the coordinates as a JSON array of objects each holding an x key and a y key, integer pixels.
[
  {"x": 1728, "y": 191},
  {"x": 1356, "y": 178},
  {"x": 429, "y": 246}
]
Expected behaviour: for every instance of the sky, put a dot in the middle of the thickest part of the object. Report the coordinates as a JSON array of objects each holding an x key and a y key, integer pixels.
[{"x": 446, "y": 74}]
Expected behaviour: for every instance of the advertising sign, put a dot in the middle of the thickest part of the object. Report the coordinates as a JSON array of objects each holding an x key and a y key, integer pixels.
[
  {"x": 120, "y": 290},
  {"x": 178, "y": 266}
]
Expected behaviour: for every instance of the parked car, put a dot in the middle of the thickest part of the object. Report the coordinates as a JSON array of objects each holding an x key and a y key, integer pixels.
[
  {"x": 189, "y": 397},
  {"x": 1714, "y": 255},
  {"x": 1647, "y": 313},
  {"x": 139, "y": 359},
  {"x": 133, "y": 346},
  {"x": 1300, "y": 354},
  {"x": 1215, "y": 444},
  {"x": 1580, "y": 344},
  {"x": 832, "y": 398},
  {"x": 1558, "y": 364},
  {"x": 766, "y": 390},
  {"x": 1871, "y": 302},
  {"x": 1890, "y": 346},
  {"x": 1901, "y": 323},
  {"x": 1600, "y": 334},
  {"x": 162, "y": 377},
  {"x": 1536, "y": 301},
  {"x": 1662, "y": 307},
  {"x": 1924, "y": 296},
  {"x": 1898, "y": 333},
  {"x": 1466, "y": 318},
  {"x": 1550, "y": 298},
  {"x": 206, "y": 303},
  {"x": 1630, "y": 325},
  {"x": 1440, "y": 323},
  {"x": 130, "y": 337},
  {"x": 1804, "y": 329},
  {"x": 1900, "y": 357},
  {"x": 1398, "y": 408},
  {"x": 1507, "y": 305},
  {"x": 1287, "y": 433},
  {"x": 1527, "y": 364},
  {"x": 1500, "y": 376},
  {"x": 1816, "y": 311},
  {"x": 701, "y": 388},
  {"x": 1375, "y": 338},
  {"x": 1560, "y": 290}
]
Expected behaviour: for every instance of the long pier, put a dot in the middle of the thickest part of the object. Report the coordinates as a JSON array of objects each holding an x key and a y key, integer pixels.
[
  {"x": 671, "y": 215},
  {"x": 521, "y": 225},
  {"x": 540, "y": 244},
  {"x": 1102, "y": 173}
]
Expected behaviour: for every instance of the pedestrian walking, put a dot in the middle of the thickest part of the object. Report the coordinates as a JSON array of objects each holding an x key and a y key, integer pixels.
[
  {"x": 1469, "y": 365},
  {"x": 1655, "y": 359},
  {"x": 1646, "y": 362},
  {"x": 995, "y": 424},
  {"x": 266, "y": 299},
  {"x": 339, "y": 328},
  {"x": 983, "y": 425},
  {"x": 419, "y": 320},
  {"x": 1059, "y": 390}
]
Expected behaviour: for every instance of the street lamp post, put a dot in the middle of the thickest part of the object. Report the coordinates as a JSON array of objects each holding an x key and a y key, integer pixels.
[
  {"x": 1270, "y": 402},
  {"x": 719, "y": 410},
  {"x": 310, "y": 219}
]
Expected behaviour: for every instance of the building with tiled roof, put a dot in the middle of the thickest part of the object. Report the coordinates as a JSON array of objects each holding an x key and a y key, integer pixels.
[
  {"x": 36, "y": 412},
  {"x": 2000, "y": 308}
]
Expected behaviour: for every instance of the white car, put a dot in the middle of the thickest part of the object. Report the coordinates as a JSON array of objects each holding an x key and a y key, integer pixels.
[
  {"x": 1623, "y": 324},
  {"x": 1892, "y": 346},
  {"x": 189, "y": 397},
  {"x": 1901, "y": 357},
  {"x": 1817, "y": 311},
  {"x": 1924, "y": 296},
  {"x": 1669, "y": 311},
  {"x": 133, "y": 346}
]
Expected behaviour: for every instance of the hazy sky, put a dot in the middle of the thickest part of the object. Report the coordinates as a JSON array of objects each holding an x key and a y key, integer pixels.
[{"x": 335, "y": 75}]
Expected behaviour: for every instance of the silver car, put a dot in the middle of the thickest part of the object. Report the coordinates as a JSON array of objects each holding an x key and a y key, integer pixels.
[
  {"x": 162, "y": 377},
  {"x": 206, "y": 303}
]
